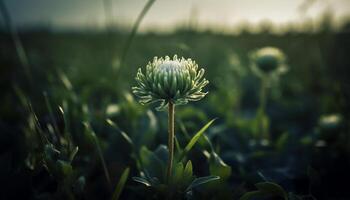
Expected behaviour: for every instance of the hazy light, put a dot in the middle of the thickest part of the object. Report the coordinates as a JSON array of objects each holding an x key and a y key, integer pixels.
[{"x": 168, "y": 14}]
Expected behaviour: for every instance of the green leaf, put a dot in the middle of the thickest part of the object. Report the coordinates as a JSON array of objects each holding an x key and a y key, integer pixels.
[
  {"x": 73, "y": 153},
  {"x": 178, "y": 173},
  {"x": 194, "y": 139},
  {"x": 65, "y": 168},
  {"x": 266, "y": 189},
  {"x": 272, "y": 188},
  {"x": 162, "y": 153},
  {"x": 52, "y": 117},
  {"x": 151, "y": 163},
  {"x": 120, "y": 186},
  {"x": 282, "y": 141},
  {"x": 188, "y": 172},
  {"x": 122, "y": 133},
  {"x": 51, "y": 153},
  {"x": 177, "y": 145},
  {"x": 252, "y": 194},
  {"x": 218, "y": 167},
  {"x": 79, "y": 185},
  {"x": 201, "y": 180},
  {"x": 142, "y": 181},
  {"x": 92, "y": 136},
  {"x": 188, "y": 169}
]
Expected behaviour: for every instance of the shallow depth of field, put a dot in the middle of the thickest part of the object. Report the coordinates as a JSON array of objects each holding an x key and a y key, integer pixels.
[{"x": 71, "y": 128}]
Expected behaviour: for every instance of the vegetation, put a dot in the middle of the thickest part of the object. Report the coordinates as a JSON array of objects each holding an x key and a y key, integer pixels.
[{"x": 72, "y": 129}]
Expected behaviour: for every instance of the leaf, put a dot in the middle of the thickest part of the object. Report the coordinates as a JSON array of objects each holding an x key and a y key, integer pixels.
[
  {"x": 122, "y": 133},
  {"x": 177, "y": 145},
  {"x": 121, "y": 183},
  {"x": 188, "y": 169},
  {"x": 94, "y": 138},
  {"x": 79, "y": 185},
  {"x": 194, "y": 139},
  {"x": 272, "y": 188},
  {"x": 218, "y": 167},
  {"x": 178, "y": 173},
  {"x": 152, "y": 164},
  {"x": 67, "y": 135},
  {"x": 162, "y": 153},
  {"x": 73, "y": 153},
  {"x": 200, "y": 181},
  {"x": 282, "y": 141},
  {"x": 52, "y": 117},
  {"x": 188, "y": 172},
  {"x": 135, "y": 26},
  {"x": 65, "y": 168},
  {"x": 266, "y": 189},
  {"x": 142, "y": 181},
  {"x": 252, "y": 194}
]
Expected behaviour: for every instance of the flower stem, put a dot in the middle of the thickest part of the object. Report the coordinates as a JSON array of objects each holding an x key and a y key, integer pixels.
[
  {"x": 262, "y": 109},
  {"x": 171, "y": 114}
]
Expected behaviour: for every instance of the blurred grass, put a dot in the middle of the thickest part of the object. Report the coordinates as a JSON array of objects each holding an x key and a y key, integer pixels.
[{"x": 77, "y": 72}]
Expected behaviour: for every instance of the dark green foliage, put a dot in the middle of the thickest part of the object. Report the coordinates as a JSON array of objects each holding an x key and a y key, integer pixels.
[{"x": 48, "y": 152}]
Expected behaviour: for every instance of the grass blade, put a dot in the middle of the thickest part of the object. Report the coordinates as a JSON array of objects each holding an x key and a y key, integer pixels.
[
  {"x": 134, "y": 30},
  {"x": 99, "y": 150},
  {"x": 142, "y": 181},
  {"x": 194, "y": 139},
  {"x": 202, "y": 180},
  {"x": 120, "y": 186},
  {"x": 21, "y": 53},
  {"x": 122, "y": 133},
  {"x": 53, "y": 120}
]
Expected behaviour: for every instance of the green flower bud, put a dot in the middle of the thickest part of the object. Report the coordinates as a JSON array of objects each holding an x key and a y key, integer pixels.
[
  {"x": 170, "y": 80},
  {"x": 268, "y": 60}
]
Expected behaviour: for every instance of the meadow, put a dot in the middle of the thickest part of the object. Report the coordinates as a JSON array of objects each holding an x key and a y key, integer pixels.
[{"x": 71, "y": 128}]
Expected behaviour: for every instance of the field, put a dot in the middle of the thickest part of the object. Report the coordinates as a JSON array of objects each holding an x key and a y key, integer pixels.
[{"x": 71, "y": 128}]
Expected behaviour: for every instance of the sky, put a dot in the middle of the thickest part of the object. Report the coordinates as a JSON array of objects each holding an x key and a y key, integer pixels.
[{"x": 167, "y": 14}]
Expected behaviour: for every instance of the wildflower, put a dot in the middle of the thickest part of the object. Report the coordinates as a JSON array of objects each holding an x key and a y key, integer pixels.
[
  {"x": 170, "y": 80},
  {"x": 267, "y": 61}
]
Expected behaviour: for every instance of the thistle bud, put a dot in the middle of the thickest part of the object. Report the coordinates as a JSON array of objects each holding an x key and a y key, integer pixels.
[
  {"x": 170, "y": 80},
  {"x": 268, "y": 60}
]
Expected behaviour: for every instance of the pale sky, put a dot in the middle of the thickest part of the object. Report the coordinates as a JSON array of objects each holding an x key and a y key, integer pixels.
[{"x": 166, "y": 14}]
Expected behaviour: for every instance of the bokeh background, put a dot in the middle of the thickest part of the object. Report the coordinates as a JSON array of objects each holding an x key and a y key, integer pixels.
[{"x": 66, "y": 62}]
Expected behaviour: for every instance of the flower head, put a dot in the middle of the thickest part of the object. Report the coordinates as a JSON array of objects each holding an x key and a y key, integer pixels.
[
  {"x": 170, "y": 80},
  {"x": 268, "y": 60}
]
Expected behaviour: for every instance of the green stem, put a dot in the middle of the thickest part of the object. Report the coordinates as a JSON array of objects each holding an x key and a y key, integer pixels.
[
  {"x": 263, "y": 95},
  {"x": 171, "y": 134},
  {"x": 262, "y": 107}
]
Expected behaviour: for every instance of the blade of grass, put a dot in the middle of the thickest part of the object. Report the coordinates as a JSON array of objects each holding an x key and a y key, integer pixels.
[
  {"x": 134, "y": 154},
  {"x": 120, "y": 186},
  {"x": 67, "y": 135},
  {"x": 123, "y": 134},
  {"x": 177, "y": 144},
  {"x": 28, "y": 106},
  {"x": 20, "y": 94},
  {"x": 99, "y": 150},
  {"x": 53, "y": 121},
  {"x": 136, "y": 25},
  {"x": 40, "y": 133},
  {"x": 183, "y": 129},
  {"x": 21, "y": 53},
  {"x": 201, "y": 180},
  {"x": 194, "y": 139}
]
